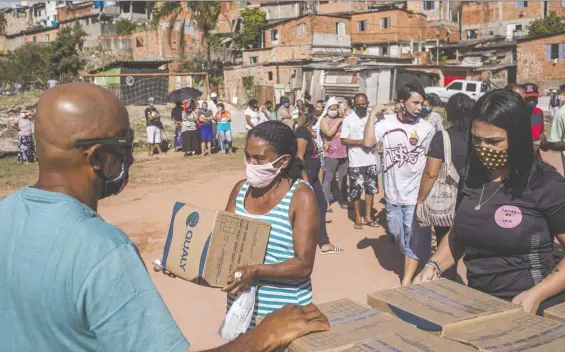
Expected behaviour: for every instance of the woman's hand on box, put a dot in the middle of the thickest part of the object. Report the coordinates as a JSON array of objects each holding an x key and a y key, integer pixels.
[{"x": 241, "y": 279}]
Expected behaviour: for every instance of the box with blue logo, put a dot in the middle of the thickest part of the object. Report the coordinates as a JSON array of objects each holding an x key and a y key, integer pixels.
[{"x": 205, "y": 246}]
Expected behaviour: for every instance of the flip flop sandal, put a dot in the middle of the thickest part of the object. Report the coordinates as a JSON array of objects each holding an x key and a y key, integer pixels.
[
  {"x": 358, "y": 226},
  {"x": 336, "y": 250},
  {"x": 373, "y": 224},
  {"x": 329, "y": 211},
  {"x": 344, "y": 206}
]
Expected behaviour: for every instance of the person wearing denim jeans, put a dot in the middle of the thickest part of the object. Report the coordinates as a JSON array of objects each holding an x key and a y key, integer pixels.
[
  {"x": 223, "y": 119},
  {"x": 412, "y": 239},
  {"x": 406, "y": 139}
]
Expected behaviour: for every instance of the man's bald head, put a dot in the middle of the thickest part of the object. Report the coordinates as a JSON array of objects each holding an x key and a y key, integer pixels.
[
  {"x": 78, "y": 112},
  {"x": 70, "y": 112}
]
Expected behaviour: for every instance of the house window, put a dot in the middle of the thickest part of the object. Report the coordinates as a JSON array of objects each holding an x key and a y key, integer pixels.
[
  {"x": 301, "y": 30},
  {"x": 384, "y": 51},
  {"x": 139, "y": 42},
  {"x": 518, "y": 27},
  {"x": 340, "y": 28},
  {"x": 429, "y": 5},
  {"x": 274, "y": 35},
  {"x": 270, "y": 75},
  {"x": 554, "y": 51},
  {"x": 361, "y": 26},
  {"x": 253, "y": 59},
  {"x": 46, "y": 37},
  {"x": 471, "y": 34},
  {"x": 520, "y": 4},
  {"x": 385, "y": 22},
  {"x": 562, "y": 3}
]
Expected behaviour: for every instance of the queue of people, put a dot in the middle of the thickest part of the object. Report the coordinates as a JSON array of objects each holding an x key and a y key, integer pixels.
[{"x": 477, "y": 183}]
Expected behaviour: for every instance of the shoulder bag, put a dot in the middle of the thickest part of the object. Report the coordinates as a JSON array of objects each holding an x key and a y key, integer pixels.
[{"x": 439, "y": 207}]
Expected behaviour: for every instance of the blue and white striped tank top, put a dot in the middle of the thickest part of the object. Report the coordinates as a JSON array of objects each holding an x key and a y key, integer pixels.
[{"x": 273, "y": 294}]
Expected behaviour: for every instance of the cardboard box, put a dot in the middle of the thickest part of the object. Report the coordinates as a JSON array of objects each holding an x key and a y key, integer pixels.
[
  {"x": 510, "y": 332},
  {"x": 412, "y": 340},
  {"x": 435, "y": 305},
  {"x": 352, "y": 323},
  {"x": 206, "y": 246},
  {"x": 556, "y": 312}
]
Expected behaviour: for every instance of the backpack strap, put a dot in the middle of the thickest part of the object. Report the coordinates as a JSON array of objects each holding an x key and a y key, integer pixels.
[{"x": 446, "y": 147}]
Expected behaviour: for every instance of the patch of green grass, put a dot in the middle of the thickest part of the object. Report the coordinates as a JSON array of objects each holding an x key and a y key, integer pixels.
[
  {"x": 19, "y": 100},
  {"x": 14, "y": 175}
]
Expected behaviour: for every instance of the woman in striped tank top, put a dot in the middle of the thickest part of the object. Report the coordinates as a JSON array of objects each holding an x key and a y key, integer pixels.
[{"x": 272, "y": 193}]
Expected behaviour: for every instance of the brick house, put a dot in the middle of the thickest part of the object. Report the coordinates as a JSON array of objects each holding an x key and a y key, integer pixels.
[
  {"x": 506, "y": 18},
  {"x": 541, "y": 60},
  {"x": 301, "y": 38},
  {"x": 389, "y": 31}
]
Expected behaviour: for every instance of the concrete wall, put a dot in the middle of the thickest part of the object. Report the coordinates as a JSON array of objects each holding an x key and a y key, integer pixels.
[
  {"x": 17, "y": 22},
  {"x": 533, "y": 65},
  {"x": 117, "y": 43},
  {"x": 278, "y": 11}
]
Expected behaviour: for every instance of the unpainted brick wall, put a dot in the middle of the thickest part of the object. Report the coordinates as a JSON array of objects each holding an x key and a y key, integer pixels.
[
  {"x": 533, "y": 65},
  {"x": 403, "y": 26}
]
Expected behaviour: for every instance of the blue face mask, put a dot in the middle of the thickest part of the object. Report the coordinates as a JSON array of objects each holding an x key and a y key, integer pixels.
[
  {"x": 286, "y": 105},
  {"x": 425, "y": 110},
  {"x": 411, "y": 118}
]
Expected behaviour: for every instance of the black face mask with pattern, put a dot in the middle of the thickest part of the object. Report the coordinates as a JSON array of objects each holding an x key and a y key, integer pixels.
[{"x": 492, "y": 159}]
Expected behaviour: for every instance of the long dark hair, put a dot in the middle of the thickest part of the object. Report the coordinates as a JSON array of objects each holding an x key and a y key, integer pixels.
[
  {"x": 281, "y": 138},
  {"x": 458, "y": 111},
  {"x": 508, "y": 111}
]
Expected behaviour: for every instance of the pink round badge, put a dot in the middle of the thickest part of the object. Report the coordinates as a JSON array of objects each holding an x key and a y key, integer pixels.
[{"x": 508, "y": 216}]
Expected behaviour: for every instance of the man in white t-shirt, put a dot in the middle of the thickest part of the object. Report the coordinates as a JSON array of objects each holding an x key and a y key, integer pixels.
[
  {"x": 406, "y": 139},
  {"x": 364, "y": 164}
]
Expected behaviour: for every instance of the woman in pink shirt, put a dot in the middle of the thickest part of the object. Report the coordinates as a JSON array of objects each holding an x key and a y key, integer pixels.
[{"x": 335, "y": 152}]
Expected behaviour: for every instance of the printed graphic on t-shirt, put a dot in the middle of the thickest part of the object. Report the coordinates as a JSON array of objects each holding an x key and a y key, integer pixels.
[{"x": 401, "y": 154}]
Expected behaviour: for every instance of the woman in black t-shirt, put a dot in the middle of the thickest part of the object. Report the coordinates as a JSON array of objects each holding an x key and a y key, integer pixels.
[
  {"x": 307, "y": 154},
  {"x": 458, "y": 110},
  {"x": 510, "y": 208}
]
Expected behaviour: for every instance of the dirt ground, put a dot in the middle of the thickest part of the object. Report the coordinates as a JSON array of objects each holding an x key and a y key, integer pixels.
[{"x": 369, "y": 261}]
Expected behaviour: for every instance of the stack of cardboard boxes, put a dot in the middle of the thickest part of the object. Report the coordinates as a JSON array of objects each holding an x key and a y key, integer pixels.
[{"x": 434, "y": 316}]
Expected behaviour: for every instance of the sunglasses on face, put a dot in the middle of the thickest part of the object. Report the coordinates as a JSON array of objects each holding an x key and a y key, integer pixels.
[{"x": 116, "y": 141}]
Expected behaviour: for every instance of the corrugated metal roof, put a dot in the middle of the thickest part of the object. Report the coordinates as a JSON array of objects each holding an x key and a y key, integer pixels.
[
  {"x": 122, "y": 62},
  {"x": 493, "y": 67}
]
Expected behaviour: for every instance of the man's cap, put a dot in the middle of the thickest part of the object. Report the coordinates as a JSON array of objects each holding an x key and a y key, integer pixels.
[
  {"x": 213, "y": 95},
  {"x": 151, "y": 100},
  {"x": 531, "y": 90}
]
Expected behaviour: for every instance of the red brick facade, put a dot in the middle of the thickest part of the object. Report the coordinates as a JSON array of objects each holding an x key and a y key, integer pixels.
[
  {"x": 534, "y": 65},
  {"x": 49, "y": 35},
  {"x": 158, "y": 44},
  {"x": 492, "y": 17},
  {"x": 301, "y": 31},
  {"x": 73, "y": 11},
  {"x": 402, "y": 26}
]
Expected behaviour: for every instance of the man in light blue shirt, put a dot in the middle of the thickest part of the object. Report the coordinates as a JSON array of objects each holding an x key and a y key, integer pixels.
[{"x": 69, "y": 281}]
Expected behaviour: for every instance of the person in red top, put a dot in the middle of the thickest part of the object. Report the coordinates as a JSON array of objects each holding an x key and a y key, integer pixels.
[{"x": 536, "y": 119}]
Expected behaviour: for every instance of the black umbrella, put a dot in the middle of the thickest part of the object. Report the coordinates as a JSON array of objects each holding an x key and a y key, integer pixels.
[{"x": 183, "y": 94}]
